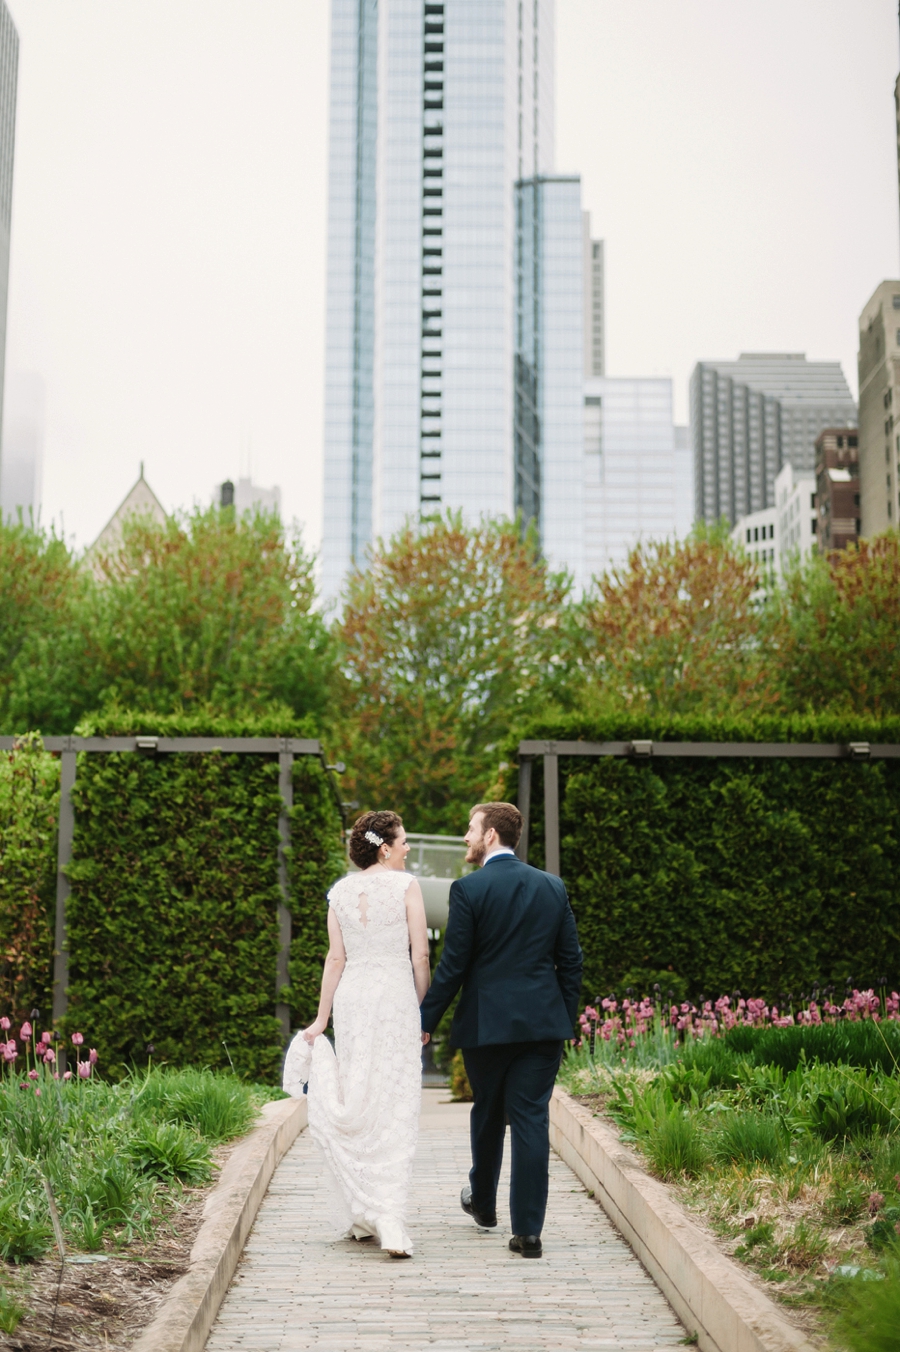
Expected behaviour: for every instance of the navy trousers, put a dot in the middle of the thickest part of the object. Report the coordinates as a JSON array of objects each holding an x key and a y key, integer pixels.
[{"x": 512, "y": 1082}]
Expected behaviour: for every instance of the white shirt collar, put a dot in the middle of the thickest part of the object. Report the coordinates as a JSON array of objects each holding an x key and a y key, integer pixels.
[{"x": 496, "y": 852}]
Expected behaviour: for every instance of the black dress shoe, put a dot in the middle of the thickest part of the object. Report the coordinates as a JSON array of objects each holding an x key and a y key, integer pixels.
[
  {"x": 465, "y": 1201},
  {"x": 529, "y": 1246}
]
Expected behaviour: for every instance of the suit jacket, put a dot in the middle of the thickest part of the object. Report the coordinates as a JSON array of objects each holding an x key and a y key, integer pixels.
[{"x": 512, "y": 945}]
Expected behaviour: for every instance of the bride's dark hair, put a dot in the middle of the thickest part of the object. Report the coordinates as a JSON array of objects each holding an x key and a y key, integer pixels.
[{"x": 364, "y": 852}]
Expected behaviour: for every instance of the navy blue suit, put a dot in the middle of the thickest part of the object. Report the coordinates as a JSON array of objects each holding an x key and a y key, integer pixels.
[{"x": 512, "y": 945}]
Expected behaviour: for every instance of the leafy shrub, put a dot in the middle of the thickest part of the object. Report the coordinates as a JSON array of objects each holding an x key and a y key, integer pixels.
[
  {"x": 166, "y": 1150},
  {"x": 849, "y": 1109},
  {"x": 725, "y": 870},
  {"x": 25, "y": 1231},
  {"x": 173, "y": 917}
]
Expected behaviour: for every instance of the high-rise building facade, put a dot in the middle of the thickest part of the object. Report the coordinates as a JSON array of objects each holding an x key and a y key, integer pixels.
[
  {"x": 594, "y": 287},
  {"x": 752, "y": 416},
  {"x": 450, "y": 281},
  {"x": 879, "y": 410},
  {"x": 837, "y": 488},
  {"x": 22, "y": 462},
  {"x": 632, "y": 464},
  {"x": 9, "y": 75}
]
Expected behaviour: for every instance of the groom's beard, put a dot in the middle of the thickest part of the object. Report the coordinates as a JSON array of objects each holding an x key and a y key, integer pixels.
[{"x": 475, "y": 853}]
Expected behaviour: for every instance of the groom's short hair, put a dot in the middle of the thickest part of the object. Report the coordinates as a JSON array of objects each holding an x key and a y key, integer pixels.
[{"x": 505, "y": 818}]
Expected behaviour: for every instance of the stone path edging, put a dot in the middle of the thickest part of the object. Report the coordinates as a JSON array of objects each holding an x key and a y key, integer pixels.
[
  {"x": 186, "y": 1316},
  {"x": 707, "y": 1291}
]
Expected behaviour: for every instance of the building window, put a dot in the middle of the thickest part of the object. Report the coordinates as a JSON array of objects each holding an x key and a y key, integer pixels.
[
  {"x": 814, "y": 526},
  {"x": 749, "y": 535}
]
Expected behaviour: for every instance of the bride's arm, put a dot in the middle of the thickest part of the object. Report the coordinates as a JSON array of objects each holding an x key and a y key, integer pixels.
[
  {"x": 418, "y": 939},
  {"x": 331, "y": 975}
]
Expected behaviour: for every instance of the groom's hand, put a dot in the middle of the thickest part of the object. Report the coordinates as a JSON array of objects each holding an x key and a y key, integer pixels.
[{"x": 426, "y": 1038}]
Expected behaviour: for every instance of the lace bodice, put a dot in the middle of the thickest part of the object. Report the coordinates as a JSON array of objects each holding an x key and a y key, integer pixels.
[{"x": 371, "y": 911}]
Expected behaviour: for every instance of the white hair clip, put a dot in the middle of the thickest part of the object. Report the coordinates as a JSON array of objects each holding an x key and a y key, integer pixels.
[{"x": 373, "y": 839}]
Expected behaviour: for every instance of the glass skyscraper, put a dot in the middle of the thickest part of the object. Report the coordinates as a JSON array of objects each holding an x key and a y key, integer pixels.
[{"x": 455, "y": 273}]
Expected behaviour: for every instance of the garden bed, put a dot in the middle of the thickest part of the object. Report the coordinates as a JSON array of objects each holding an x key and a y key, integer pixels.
[
  {"x": 784, "y": 1141},
  {"x": 126, "y": 1169}
]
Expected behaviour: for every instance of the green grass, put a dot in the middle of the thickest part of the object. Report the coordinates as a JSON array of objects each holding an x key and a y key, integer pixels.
[
  {"x": 116, "y": 1156},
  {"x": 788, "y": 1141}
]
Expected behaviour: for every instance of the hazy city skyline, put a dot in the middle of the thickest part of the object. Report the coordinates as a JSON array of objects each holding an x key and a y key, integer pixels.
[{"x": 168, "y": 233}]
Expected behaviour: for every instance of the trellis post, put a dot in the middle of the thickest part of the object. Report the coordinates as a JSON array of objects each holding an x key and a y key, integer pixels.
[
  {"x": 63, "y": 856},
  {"x": 524, "y": 805},
  {"x": 282, "y": 965}
]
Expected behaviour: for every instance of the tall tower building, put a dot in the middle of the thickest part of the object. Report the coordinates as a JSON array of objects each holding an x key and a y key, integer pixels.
[
  {"x": 879, "y": 410},
  {"x": 594, "y": 307},
  {"x": 454, "y": 259},
  {"x": 9, "y": 71},
  {"x": 752, "y": 416}
]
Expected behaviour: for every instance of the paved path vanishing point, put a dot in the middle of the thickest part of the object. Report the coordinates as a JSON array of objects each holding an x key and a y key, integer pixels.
[{"x": 294, "y": 1289}]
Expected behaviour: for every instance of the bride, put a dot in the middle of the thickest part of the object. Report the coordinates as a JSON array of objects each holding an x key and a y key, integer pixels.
[{"x": 364, "y": 1095}]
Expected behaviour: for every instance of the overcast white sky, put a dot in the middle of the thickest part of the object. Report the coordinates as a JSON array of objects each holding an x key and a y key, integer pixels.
[{"x": 168, "y": 248}]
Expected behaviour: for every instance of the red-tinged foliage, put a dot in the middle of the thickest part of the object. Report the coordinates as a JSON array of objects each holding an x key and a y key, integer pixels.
[
  {"x": 445, "y": 636},
  {"x": 676, "y": 629},
  {"x": 209, "y": 611},
  {"x": 833, "y": 632}
]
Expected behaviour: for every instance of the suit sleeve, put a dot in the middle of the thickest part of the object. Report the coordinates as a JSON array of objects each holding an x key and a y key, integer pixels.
[
  {"x": 569, "y": 961},
  {"x": 451, "y": 970}
]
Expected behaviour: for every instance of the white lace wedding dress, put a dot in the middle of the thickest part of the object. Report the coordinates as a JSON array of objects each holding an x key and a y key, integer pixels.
[{"x": 364, "y": 1095}]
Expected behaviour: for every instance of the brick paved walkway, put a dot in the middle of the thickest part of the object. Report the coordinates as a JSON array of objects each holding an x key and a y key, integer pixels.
[{"x": 463, "y": 1289}]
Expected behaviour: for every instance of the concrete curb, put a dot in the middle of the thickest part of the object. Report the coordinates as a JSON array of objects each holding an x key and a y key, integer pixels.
[
  {"x": 709, "y": 1293},
  {"x": 186, "y": 1316}
]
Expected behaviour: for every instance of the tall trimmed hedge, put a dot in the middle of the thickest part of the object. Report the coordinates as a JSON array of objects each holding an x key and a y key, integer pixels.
[
  {"x": 173, "y": 913},
  {"x": 713, "y": 875},
  {"x": 29, "y": 812}
]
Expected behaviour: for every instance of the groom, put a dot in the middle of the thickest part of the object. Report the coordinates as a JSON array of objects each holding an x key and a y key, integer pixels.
[{"x": 512, "y": 945}]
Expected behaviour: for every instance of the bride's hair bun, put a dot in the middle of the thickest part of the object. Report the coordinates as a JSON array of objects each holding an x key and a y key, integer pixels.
[{"x": 362, "y": 848}]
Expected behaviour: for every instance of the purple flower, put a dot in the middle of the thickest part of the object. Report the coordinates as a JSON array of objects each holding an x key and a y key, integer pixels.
[
  {"x": 77, "y": 1039},
  {"x": 84, "y": 1070},
  {"x": 5, "y": 1024},
  {"x": 92, "y": 1056},
  {"x": 32, "y": 1074},
  {"x": 25, "y": 1031},
  {"x": 46, "y": 1037},
  {"x": 49, "y": 1056}
]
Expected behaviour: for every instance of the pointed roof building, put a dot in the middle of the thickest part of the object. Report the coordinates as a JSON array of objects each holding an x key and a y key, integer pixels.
[{"x": 139, "y": 501}]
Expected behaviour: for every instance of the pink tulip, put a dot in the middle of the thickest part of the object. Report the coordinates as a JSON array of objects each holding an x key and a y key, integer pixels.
[
  {"x": 77, "y": 1039},
  {"x": 67, "y": 1075},
  {"x": 84, "y": 1070},
  {"x": 49, "y": 1056},
  {"x": 5, "y": 1024},
  {"x": 25, "y": 1031},
  {"x": 93, "y": 1057},
  {"x": 37, "y": 1092},
  {"x": 46, "y": 1037},
  {"x": 32, "y": 1074}
]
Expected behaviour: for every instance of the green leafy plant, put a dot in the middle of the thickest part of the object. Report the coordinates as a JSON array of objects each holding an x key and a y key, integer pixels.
[
  {"x": 869, "y": 1311},
  {"x": 167, "y": 1150}
]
